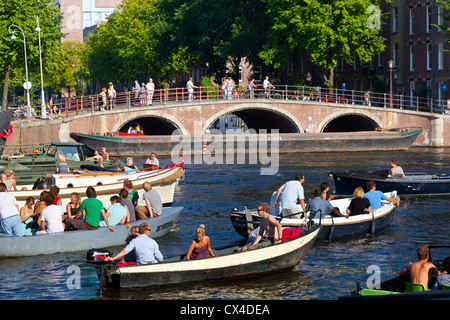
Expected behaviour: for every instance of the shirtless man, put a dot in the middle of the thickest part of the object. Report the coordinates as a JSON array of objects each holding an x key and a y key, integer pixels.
[{"x": 419, "y": 270}]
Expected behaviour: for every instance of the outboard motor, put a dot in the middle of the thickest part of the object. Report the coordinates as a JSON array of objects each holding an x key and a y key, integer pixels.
[{"x": 97, "y": 255}]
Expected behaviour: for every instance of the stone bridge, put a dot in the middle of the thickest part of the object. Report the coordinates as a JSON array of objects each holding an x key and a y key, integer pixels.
[{"x": 195, "y": 118}]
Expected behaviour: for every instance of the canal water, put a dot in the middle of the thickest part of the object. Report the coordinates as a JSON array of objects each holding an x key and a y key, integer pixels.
[{"x": 209, "y": 192}]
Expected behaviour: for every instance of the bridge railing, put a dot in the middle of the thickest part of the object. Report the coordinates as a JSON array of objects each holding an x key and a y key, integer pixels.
[{"x": 91, "y": 103}]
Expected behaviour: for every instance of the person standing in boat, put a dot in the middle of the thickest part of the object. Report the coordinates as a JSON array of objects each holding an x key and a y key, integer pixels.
[
  {"x": 288, "y": 194},
  {"x": 200, "y": 246},
  {"x": 10, "y": 222},
  {"x": 375, "y": 196},
  {"x": 145, "y": 248},
  {"x": 105, "y": 155},
  {"x": 396, "y": 170}
]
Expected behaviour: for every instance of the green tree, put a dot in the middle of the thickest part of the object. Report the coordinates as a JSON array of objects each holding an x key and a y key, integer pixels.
[
  {"x": 12, "y": 60},
  {"x": 444, "y": 27},
  {"x": 325, "y": 31}
]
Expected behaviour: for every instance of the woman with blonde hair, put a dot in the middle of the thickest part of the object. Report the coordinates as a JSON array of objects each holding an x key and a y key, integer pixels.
[
  {"x": 359, "y": 204},
  {"x": 200, "y": 246},
  {"x": 9, "y": 181}
]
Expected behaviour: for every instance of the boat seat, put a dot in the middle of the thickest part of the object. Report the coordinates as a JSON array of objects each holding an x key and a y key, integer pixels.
[
  {"x": 376, "y": 292},
  {"x": 413, "y": 287}
]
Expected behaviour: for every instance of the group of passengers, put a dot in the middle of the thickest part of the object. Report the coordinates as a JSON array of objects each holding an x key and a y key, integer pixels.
[{"x": 48, "y": 216}]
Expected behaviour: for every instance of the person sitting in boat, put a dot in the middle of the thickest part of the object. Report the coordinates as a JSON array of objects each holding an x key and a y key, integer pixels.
[
  {"x": 50, "y": 219},
  {"x": 73, "y": 207},
  {"x": 145, "y": 248},
  {"x": 54, "y": 191},
  {"x": 152, "y": 160},
  {"x": 91, "y": 209},
  {"x": 26, "y": 215},
  {"x": 153, "y": 203},
  {"x": 421, "y": 272},
  {"x": 9, "y": 181},
  {"x": 10, "y": 222},
  {"x": 325, "y": 207},
  {"x": 375, "y": 196},
  {"x": 270, "y": 231},
  {"x": 95, "y": 157},
  {"x": 124, "y": 201},
  {"x": 200, "y": 246},
  {"x": 133, "y": 233},
  {"x": 62, "y": 167},
  {"x": 359, "y": 204},
  {"x": 396, "y": 170},
  {"x": 324, "y": 188},
  {"x": 116, "y": 213},
  {"x": 133, "y": 195},
  {"x": 444, "y": 277},
  {"x": 129, "y": 167}
]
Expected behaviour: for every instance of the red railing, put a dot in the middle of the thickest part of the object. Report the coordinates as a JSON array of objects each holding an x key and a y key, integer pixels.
[{"x": 93, "y": 103}]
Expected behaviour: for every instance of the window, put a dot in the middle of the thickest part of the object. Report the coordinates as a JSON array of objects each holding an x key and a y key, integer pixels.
[
  {"x": 439, "y": 17},
  {"x": 429, "y": 18},
  {"x": 411, "y": 21},
  {"x": 411, "y": 92},
  {"x": 428, "y": 88},
  {"x": 395, "y": 54},
  {"x": 429, "y": 55},
  {"x": 440, "y": 62},
  {"x": 394, "y": 19},
  {"x": 411, "y": 58}
]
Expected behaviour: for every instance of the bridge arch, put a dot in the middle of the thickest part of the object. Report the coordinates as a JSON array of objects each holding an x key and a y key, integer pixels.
[
  {"x": 348, "y": 121},
  {"x": 259, "y": 116},
  {"x": 152, "y": 124}
]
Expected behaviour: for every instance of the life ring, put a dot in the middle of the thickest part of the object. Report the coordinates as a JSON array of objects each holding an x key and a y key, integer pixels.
[{"x": 8, "y": 133}]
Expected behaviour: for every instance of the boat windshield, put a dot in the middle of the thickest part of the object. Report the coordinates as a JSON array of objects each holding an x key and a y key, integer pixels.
[{"x": 69, "y": 152}]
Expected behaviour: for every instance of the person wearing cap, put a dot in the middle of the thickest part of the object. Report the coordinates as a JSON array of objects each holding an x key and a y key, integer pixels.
[{"x": 146, "y": 249}]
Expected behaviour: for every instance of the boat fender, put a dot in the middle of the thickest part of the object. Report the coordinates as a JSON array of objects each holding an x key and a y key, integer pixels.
[
  {"x": 6, "y": 134},
  {"x": 330, "y": 233},
  {"x": 372, "y": 225}
]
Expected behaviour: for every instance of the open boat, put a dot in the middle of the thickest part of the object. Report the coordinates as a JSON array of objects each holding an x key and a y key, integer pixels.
[
  {"x": 400, "y": 287},
  {"x": 107, "y": 184},
  {"x": 413, "y": 183},
  {"x": 76, "y": 240},
  {"x": 333, "y": 228},
  {"x": 227, "y": 264}
]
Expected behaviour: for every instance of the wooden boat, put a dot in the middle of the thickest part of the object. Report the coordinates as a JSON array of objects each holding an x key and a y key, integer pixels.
[
  {"x": 44, "y": 159},
  {"x": 227, "y": 264},
  {"x": 381, "y": 140},
  {"x": 400, "y": 288},
  {"x": 108, "y": 184},
  {"x": 77, "y": 240},
  {"x": 333, "y": 228},
  {"x": 413, "y": 184}
]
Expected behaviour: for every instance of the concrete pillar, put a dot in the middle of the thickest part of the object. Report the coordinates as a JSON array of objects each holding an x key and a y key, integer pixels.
[{"x": 437, "y": 129}]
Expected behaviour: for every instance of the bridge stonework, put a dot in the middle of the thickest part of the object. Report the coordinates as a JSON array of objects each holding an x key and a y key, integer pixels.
[{"x": 192, "y": 118}]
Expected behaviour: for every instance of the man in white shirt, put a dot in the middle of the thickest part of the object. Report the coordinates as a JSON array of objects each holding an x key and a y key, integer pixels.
[
  {"x": 10, "y": 222},
  {"x": 288, "y": 194},
  {"x": 150, "y": 91},
  {"x": 152, "y": 160},
  {"x": 51, "y": 216}
]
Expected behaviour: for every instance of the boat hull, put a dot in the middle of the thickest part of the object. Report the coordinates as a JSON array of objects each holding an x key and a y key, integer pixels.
[
  {"x": 333, "y": 228},
  {"x": 346, "y": 182},
  {"x": 229, "y": 266},
  {"x": 77, "y": 240},
  {"x": 398, "y": 139}
]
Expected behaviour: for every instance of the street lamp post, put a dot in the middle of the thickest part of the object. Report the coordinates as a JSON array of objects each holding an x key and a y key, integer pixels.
[
  {"x": 27, "y": 84},
  {"x": 391, "y": 66},
  {"x": 43, "y": 108}
]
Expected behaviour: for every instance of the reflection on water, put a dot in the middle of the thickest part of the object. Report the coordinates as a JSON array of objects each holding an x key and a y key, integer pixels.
[{"x": 208, "y": 193}]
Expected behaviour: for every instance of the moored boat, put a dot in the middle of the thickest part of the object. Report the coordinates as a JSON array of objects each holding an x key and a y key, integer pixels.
[
  {"x": 76, "y": 240},
  {"x": 227, "y": 264},
  {"x": 381, "y": 140},
  {"x": 333, "y": 228},
  {"x": 163, "y": 181},
  {"x": 413, "y": 183}
]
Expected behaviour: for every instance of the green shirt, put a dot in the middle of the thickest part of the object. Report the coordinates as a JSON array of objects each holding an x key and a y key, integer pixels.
[
  {"x": 133, "y": 196},
  {"x": 93, "y": 208}
]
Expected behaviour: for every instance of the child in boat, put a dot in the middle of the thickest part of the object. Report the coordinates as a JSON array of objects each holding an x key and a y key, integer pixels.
[{"x": 200, "y": 246}]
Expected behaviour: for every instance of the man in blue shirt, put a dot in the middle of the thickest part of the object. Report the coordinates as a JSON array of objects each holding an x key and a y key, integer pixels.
[
  {"x": 146, "y": 249},
  {"x": 288, "y": 194},
  {"x": 375, "y": 196},
  {"x": 325, "y": 207}
]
